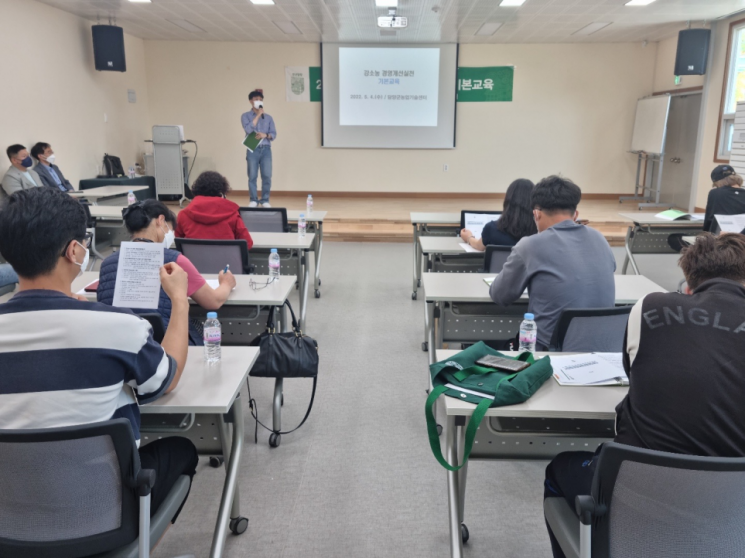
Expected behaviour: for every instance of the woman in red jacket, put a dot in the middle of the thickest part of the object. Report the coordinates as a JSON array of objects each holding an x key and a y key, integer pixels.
[{"x": 209, "y": 215}]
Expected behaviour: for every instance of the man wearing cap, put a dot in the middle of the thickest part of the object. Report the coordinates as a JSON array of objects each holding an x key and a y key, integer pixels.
[
  {"x": 260, "y": 159},
  {"x": 727, "y": 196}
]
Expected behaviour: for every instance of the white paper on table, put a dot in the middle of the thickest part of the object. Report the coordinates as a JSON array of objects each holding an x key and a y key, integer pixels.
[
  {"x": 475, "y": 222},
  {"x": 731, "y": 223},
  {"x": 698, "y": 216},
  {"x": 589, "y": 369},
  {"x": 214, "y": 283},
  {"x": 469, "y": 248},
  {"x": 138, "y": 275}
]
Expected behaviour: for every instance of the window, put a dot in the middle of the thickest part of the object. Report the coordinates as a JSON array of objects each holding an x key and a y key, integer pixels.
[{"x": 734, "y": 89}]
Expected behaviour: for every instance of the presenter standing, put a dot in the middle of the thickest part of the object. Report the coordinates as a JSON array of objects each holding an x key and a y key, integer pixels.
[{"x": 260, "y": 159}]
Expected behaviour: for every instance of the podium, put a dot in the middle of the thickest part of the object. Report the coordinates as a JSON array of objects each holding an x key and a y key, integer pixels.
[{"x": 168, "y": 161}]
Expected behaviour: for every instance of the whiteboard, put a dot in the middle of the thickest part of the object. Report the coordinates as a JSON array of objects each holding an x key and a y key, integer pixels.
[{"x": 650, "y": 125}]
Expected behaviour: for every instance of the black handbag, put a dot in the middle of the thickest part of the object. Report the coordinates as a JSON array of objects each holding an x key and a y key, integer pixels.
[{"x": 284, "y": 355}]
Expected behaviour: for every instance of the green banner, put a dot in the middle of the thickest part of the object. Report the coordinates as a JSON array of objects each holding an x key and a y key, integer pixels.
[
  {"x": 486, "y": 84},
  {"x": 314, "y": 77}
]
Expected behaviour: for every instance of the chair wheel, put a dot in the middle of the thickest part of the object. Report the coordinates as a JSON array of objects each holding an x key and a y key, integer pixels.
[
  {"x": 274, "y": 439},
  {"x": 413, "y": 295},
  {"x": 318, "y": 293},
  {"x": 439, "y": 430},
  {"x": 239, "y": 525},
  {"x": 465, "y": 535},
  {"x": 216, "y": 462},
  {"x": 425, "y": 346}
]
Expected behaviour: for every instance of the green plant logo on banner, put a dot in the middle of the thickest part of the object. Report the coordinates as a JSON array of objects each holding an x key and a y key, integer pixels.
[
  {"x": 485, "y": 85},
  {"x": 314, "y": 77}
]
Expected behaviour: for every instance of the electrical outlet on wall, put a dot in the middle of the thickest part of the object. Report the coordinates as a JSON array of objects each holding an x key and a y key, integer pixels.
[{"x": 445, "y": 167}]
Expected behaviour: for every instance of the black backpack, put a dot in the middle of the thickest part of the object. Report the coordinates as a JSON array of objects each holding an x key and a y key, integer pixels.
[{"x": 112, "y": 166}]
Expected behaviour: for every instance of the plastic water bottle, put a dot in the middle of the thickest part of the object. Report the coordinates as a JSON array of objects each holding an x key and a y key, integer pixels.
[
  {"x": 212, "y": 338},
  {"x": 273, "y": 263},
  {"x": 528, "y": 334},
  {"x": 301, "y": 225},
  {"x": 131, "y": 198},
  {"x": 309, "y": 205},
  {"x": 132, "y": 171}
]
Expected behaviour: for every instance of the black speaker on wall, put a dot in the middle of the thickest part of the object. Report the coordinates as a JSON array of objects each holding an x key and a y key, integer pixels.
[
  {"x": 693, "y": 51},
  {"x": 108, "y": 48}
]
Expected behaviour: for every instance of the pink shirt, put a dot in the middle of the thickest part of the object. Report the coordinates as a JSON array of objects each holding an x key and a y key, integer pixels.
[{"x": 196, "y": 281}]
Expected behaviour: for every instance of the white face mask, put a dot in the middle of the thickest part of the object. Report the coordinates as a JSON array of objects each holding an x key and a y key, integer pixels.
[
  {"x": 258, "y": 104},
  {"x": 51, "y": 158},
  {"x": 168, "y": 238},
  {"x": 86, "y": 258}
]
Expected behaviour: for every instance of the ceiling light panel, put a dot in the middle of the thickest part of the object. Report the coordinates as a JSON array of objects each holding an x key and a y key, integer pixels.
[
  {"x": 511, "y": 3},
  {"x": 263, "y": 2},
  {"x": 639, "y": 2},
  {"x": 591, "y": 28},
  {"x": 386, "y": 3}
]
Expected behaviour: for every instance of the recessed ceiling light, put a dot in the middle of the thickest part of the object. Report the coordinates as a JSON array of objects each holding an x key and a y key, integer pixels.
[
  {"x": 510, "y": 3},
  {"x": 187, "y": 25},
  {"x": 591, "y": 28},
  {"x": 639, "y": 2},
  {"x": 288, "y": 27},
  {"x": 386, "y": 3},
  {"x": 489, "y": 28},
  {"x": 262, "y": 2},
  {"x": 141, "y": 1}
]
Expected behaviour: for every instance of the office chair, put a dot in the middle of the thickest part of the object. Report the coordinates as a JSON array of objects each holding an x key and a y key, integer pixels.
[
  {"x": 599, "y": 330},
  {"x": 653, "y": 503},
  {"x": 265, "y": 219},
  {"x": 79, "y": 491},
  {"x": 494, "y": 258},
  {"x": 211, "y": 256},
  {"x": 156, "y": 322}
]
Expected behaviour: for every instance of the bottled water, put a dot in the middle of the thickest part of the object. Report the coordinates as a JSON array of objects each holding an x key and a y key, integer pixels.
[
  {"x": 528, "y": 334},
  {"x": 212, "y": 338},
  {"x": 132, "y": 171},
  {"x": 301, "y": 225},
  {"x": 131, "y": 198},
  {"x": 273, "y": 263},
  {"x": 309, "y": 205}
]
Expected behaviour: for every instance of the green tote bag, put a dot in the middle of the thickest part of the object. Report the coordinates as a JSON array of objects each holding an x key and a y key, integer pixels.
[{"x": 499, "y": 388}]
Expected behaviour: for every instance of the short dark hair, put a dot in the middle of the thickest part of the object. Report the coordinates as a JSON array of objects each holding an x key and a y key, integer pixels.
[
  {"x": 714, "y": 257},
  {"x": 139, "y": 215},
  {"x": 555, "y": 194},
  {"x": 38, "y": 149},
  {"x": 36, "y": 225},
  {"x": 211, "y": 184},
  {"x": 14, "y": 149},
  {"x": 517, "y": 215},
  {"x": 255, "y": 93}
]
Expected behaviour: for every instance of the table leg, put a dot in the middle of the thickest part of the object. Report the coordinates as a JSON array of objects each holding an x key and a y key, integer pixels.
[
  {"x": 463, "y": 473},
  {"x": 303, "y": 282},
  {"x": 231, "y": 481},
  {"x": 430, "y": 308},
  {"x": 440, "y": 330},
  {"x": 235, "y": 510},
  {"x": 629, "y": 256},
  {"x": 451, "y": 440},
  {"x": 319, "y": 249},
  {"x": 417, "y": 262}
]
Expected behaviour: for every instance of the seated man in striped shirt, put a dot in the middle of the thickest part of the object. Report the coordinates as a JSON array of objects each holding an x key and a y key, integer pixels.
[{"x": 65, "y": 361}]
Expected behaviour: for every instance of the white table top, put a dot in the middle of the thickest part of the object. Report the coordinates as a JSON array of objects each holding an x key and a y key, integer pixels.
[
  {"x": 107, "y": 212},
  {"x": 106, "y": 191},
  {"x": 435, "y": 218},
  {"x": 470, "y": 287},
  {"x": 650, "y": 219},
  {"x": 550, "y": 401},
  {"x": 447, "y": 245},
  {"x": 313, "y": 217},
  {"x": 291, "y": 240},
  {"x": 207, "y": 388}
]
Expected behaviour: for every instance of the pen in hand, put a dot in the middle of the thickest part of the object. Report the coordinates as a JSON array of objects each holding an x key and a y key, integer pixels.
[{"x": 227, "y": 268}]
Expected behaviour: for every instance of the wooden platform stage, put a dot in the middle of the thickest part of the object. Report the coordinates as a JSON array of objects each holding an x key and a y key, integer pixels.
[{"x": 383, "y": 219}]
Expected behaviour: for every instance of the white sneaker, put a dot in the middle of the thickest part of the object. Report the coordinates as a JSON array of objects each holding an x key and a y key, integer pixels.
[
  {"x": 253, "y": 204},
  {"x": 265, "y": 204}
]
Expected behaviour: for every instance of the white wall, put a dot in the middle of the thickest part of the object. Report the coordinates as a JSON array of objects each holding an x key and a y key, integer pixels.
[
  {"x": 573, "y": 113},
  {"x": 51, "y": 92}
]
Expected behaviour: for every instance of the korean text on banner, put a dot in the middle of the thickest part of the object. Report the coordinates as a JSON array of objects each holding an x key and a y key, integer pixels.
[
  {"x": 486, "y": 84},
  {"x": 303, "y": 84}
]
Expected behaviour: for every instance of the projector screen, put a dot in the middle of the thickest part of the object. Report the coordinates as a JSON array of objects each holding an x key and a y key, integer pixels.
[{"x": 389, "y": 97}]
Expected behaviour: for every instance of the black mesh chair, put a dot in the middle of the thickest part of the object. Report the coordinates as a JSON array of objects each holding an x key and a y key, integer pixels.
[
  {"x": 211, "y": 256},
  {"x": 599, "y": 330},
  {"x": 265, "y": 219},
  {"x": 79, "y": 491},
  {"x": 156, "y": 322},
  {"x": 652, "y": 503},
  {"x": 494, "y": 258}
]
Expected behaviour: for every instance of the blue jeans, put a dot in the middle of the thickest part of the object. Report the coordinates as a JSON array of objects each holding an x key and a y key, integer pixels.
[
  {"x": 7, "y": 275},
  {"x": 260, "y": 159}
]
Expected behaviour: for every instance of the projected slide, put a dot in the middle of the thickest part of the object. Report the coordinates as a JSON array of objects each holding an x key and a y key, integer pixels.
[{"x": 388, "y": 86}]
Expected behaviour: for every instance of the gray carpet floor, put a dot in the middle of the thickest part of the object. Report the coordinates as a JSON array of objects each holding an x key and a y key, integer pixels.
[{"x": 359, "y": 478}]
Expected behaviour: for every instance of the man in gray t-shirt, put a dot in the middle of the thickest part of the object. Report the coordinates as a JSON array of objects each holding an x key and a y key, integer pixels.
[{"x": 566, "y": 265}]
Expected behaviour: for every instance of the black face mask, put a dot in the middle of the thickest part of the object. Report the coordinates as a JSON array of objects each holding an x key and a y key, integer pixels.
[{"x": 27, "y": 162}]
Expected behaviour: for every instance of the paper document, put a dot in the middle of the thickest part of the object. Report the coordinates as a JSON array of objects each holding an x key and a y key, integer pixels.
[
  {"x": 475, "y": 222},
  {"x": 589, "y": 369},
  {"x": 251, "y": 142},
  {"x": 214, "y": 283},
  {"x": 731, "y": 223},
  {"x": 138, "y": 275},
  {"x": 674, "y": 215},
  {"x": 489, "y": 280},
  {"x": 698, "y": 216},
  {"x": 469, "y": 248}
]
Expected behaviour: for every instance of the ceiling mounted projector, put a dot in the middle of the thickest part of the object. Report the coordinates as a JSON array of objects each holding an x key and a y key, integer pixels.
[{"x": 396, "y": 22}]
